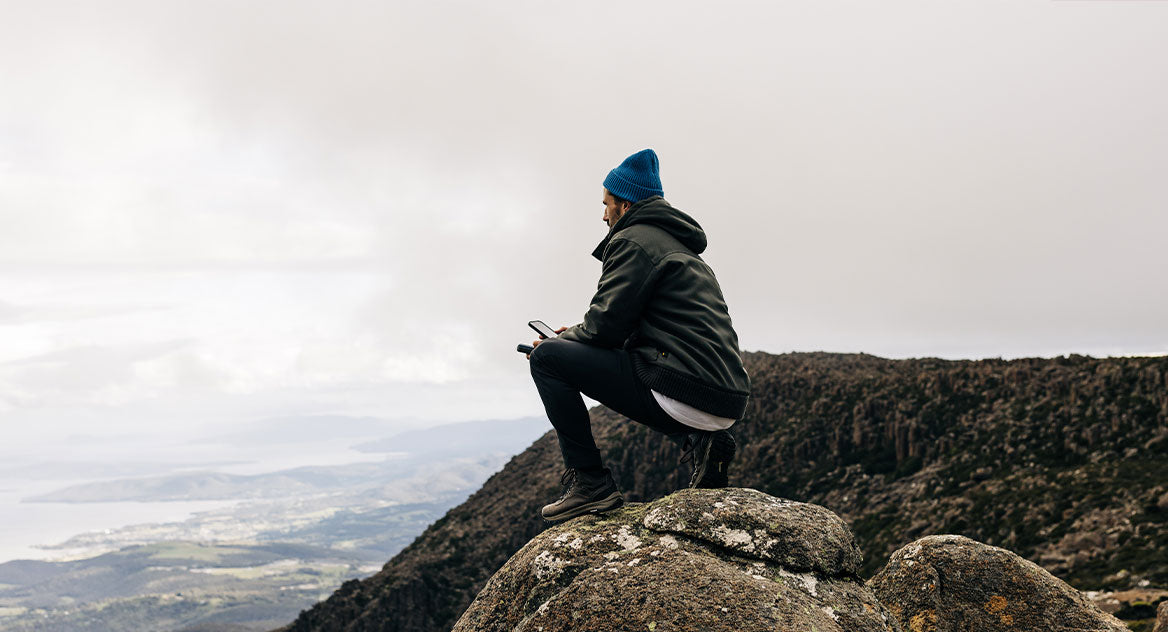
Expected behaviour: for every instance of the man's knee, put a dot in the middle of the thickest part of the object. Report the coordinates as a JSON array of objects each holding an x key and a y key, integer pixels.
[{"x": 545, "y": 355}]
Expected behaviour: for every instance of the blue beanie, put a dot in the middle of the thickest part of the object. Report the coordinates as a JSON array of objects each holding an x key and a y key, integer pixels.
[{"x": 637, "y": 178}]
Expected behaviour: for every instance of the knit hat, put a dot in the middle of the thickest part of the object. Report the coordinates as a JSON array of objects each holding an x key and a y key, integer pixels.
[{"x": 637, "y": 178}]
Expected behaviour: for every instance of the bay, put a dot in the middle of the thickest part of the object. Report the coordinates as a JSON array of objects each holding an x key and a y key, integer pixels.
[
  {"x": 26, "y": 526},
  {"x": 23, "y": 526}
]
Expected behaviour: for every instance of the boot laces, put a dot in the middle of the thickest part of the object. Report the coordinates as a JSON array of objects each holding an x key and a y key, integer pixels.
[
  {"x": 689, "y": 450},
  {"x": 568, "y": 481}
]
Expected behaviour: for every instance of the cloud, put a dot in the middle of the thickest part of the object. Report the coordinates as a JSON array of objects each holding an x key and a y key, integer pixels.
[
  {"x": 99, "y": 374},
  {"x": 382, "y": 194},
  {"x": 11, "y": 313}
]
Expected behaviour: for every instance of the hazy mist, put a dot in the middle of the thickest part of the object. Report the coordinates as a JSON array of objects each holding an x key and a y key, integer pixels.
[{"x": 215, "y": 212}]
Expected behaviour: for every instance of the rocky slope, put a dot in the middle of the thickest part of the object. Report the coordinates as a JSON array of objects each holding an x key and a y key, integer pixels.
[{"x": 1061, "y": 460}]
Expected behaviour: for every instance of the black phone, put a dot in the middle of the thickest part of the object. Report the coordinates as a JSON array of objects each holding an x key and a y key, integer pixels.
[{"x": 542, "y": 329}]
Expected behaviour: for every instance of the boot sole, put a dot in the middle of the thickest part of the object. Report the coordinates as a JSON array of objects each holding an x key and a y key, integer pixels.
[
  {"x": 608, "y": 503},
  {"x": 717, "y": 463}
]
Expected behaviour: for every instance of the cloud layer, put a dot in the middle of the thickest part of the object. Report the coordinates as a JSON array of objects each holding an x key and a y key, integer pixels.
[{"x": 208, "y": 200}]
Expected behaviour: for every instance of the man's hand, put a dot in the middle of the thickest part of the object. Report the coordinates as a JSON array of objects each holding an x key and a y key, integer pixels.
[{"x": 535, "y": 343}]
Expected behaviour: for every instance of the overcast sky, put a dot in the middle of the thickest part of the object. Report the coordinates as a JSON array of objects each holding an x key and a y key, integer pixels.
[{"x": 218, "y": 211}]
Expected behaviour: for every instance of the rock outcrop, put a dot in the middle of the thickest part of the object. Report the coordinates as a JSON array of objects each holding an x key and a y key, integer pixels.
[
  {"x": 711, "y": 560},
  {"x": 1162, "y": 617},
  {"x": 949, "y": 583}
]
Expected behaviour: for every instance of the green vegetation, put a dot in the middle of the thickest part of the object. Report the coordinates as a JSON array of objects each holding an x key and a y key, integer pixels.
[
  {"x": 189, "y": 552},
  {"x": 195, "y": 583},
  {"x": 1016, "y": 454}
]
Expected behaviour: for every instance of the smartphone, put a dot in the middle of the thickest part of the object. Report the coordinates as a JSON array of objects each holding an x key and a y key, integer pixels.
[{"x": 542, "y": 329}]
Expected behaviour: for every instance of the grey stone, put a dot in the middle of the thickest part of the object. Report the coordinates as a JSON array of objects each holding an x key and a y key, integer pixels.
[
  {"x": 799, "y": 536},
  {"x": 949, "y": 583},
  {"x": 1162, "y": 617},
  {"x": 638, "y": 569}
]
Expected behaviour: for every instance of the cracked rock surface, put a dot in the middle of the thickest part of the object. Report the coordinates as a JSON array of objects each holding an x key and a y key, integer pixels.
[
  {"x": 799, "y": 536},
  {"x": 713, "y": 560},
  {"x": 950, "y": 583}
]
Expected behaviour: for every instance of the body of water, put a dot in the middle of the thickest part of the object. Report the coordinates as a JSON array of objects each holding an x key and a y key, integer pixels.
[{"x": 24, "y": 525}]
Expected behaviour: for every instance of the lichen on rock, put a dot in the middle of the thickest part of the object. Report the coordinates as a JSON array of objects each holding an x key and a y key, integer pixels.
[
  {"x": 710, "y": 560},
  {"x": 950, "y": 583},
  {"x": 798, "y": 536}
]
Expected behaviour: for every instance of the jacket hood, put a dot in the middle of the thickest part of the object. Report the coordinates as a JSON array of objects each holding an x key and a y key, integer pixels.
[{"x": 659, "y": 213}]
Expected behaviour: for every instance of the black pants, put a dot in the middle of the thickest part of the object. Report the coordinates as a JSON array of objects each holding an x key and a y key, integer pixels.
[{"x": 563, "y": 369}]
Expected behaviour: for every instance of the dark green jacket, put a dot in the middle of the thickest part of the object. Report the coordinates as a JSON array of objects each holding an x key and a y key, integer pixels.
[{"x": 659, "y": 300}]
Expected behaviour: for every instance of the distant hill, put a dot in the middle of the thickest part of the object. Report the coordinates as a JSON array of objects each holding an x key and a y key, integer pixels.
[
  {"x": 466, "y": 437},
  {"x": 1062, "y": 460},
  {"x": 308, "y": 428},
  {"x": 292, "y": 538},
  {"x": 413, "y": 451}
]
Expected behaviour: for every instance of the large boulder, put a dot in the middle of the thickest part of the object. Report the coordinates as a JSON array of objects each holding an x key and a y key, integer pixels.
[
  {"x": 1162, "y": 618},
  {"x": 711, "y": 560},
  {"x": 949, "y": 583}
]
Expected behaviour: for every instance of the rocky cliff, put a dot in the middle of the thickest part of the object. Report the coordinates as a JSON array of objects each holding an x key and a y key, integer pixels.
[{"x": 1062, "y": 461}]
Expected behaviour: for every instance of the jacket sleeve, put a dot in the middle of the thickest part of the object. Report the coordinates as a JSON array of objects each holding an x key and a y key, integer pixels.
[{"x": 621, "y": 294}]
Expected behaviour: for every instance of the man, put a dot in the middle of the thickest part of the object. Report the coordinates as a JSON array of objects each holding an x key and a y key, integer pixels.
[{"x": 656, "y": 345}]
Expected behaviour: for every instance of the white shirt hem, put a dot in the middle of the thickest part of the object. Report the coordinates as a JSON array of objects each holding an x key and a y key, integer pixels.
[{"x": 690, "y": 416}]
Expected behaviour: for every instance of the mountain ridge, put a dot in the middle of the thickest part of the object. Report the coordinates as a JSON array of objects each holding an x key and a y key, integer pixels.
[{"x": 1061, "y": 460}]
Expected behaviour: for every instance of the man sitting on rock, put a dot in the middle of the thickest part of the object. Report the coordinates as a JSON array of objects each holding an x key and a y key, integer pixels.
[{"x": 656, "y": 345}]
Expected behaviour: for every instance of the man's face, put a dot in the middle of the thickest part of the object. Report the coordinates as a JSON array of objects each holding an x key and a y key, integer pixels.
[{"x": 612, "y": 210}]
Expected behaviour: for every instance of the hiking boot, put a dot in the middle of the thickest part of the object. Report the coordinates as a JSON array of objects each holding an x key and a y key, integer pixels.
[
  {"x": 584, "y": 493},
  {"x": 711, "y": 453}
]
